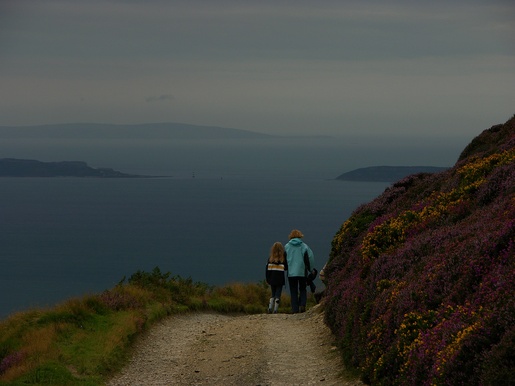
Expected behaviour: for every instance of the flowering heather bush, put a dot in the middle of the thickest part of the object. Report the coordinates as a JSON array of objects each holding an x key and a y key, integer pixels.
[
  {"x": 10, "y": 361},
  {"x": 421, "y": 281}
]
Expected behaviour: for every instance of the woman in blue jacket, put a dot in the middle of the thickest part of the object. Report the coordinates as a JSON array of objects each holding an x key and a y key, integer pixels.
[{"x": 295, "y": 251}]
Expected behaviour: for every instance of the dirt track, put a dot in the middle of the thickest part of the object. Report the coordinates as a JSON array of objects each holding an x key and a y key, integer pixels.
[{"x": 211, "y": 349}]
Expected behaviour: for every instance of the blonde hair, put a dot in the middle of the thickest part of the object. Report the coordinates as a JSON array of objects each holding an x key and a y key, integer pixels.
[
  {"x": 296, "y": 234},
  {"x": 276, "y": 253}
]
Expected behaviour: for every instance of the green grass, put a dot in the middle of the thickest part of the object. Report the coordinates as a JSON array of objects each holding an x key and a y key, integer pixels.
[{"x": 84, "y": 341}]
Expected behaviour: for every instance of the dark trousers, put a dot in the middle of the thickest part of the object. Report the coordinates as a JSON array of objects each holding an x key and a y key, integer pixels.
[
  {"x": 298, "y": 292},
  {"x": 276, "y": 291}
]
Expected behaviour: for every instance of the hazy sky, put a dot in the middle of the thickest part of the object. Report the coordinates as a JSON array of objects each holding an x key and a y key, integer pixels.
[{"x": 439, "y": 68}]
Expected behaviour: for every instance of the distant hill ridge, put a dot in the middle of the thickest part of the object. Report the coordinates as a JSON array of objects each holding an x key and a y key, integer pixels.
[{"x": 134, "y": 131}]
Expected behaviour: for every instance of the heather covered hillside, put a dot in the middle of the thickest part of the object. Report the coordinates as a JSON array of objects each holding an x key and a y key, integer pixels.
[{"x": 421, "y": 281}]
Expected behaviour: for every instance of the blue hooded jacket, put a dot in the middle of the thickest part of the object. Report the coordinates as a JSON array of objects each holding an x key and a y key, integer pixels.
[{"x": 295, "y": 249}]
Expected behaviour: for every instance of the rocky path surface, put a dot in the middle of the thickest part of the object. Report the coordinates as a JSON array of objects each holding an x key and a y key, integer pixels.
[{"x": 212, "y": 349}]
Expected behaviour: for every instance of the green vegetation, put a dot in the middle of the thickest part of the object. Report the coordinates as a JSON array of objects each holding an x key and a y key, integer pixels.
[{"x": 84, "y": 341}]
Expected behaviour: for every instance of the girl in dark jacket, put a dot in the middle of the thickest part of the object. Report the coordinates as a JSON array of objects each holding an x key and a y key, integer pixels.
[{"x": 275, "y": 275}]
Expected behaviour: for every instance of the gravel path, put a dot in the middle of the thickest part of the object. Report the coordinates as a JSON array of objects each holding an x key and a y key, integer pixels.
[{"x": 212, "y": 349}]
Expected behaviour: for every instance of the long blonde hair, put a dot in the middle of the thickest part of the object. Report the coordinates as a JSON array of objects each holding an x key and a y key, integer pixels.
[{"x": 276, "y": 253}]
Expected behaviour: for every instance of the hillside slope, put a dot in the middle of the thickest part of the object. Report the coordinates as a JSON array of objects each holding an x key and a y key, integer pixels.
[{"x": 421, "y": 281}]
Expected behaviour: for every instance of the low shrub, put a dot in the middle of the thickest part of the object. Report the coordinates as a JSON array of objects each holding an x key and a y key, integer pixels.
[{"x": 84, "y": 340}]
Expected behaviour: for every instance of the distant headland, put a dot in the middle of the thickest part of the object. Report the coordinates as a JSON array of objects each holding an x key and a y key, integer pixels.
[
  {"x": 13, "y": 167},
  {"x": 387, "y": 173}
]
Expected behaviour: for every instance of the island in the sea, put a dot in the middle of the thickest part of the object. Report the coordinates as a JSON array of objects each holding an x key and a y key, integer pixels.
[
  {"x": 13, "y": 167},
  {"x": 387, "y": 173}
]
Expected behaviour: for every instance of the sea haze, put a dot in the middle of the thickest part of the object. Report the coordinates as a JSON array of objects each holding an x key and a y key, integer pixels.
[
  {"x": 179, "y": 150},
  {"x": 226, "y": 200}
]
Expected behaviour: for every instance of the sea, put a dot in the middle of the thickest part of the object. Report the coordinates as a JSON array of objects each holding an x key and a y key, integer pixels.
[
  {"x": 65, "y": 237},
  {"x": 210, "y": 214}
]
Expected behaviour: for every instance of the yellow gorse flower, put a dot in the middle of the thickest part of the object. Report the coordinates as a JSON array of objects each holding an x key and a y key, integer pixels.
[{"x": 390, "y": 234}]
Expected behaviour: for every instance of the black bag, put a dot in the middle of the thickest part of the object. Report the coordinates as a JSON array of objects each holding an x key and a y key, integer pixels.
[{"x": 311, "y": 274}]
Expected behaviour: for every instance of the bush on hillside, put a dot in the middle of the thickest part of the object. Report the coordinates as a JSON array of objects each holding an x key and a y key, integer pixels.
[{"x": 421, "y": 281}]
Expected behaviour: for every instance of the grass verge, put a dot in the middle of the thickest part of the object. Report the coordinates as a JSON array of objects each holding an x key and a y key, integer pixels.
[{"x": 83, "y": 341}]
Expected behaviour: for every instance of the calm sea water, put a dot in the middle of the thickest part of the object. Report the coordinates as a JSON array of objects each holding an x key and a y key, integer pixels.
[{"x": 67, "y": 237}]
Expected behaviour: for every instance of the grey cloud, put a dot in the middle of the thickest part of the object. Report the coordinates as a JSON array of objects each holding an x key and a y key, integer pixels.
[
  {"x": 263, "y": 66},
  {"x": 160, "y": 98}
]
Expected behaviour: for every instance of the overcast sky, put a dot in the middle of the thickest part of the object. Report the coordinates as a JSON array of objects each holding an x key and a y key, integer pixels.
[{"x": 439, "y": 68}]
